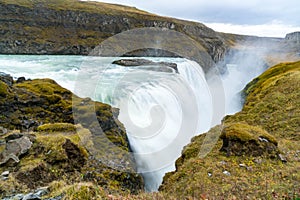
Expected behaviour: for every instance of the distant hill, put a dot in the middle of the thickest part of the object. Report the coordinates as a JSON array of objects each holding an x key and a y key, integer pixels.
[{"x": 72, "y": 27}]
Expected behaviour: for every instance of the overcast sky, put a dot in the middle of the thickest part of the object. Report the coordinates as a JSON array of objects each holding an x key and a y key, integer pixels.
[{"x": 255, "y": 17}]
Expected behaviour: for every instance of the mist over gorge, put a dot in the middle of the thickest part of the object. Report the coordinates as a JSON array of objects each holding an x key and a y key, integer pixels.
[{"x": 184, "y": 130}]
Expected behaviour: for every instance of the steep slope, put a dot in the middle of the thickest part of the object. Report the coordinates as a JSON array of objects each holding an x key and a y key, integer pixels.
[{"x": 257, "y": 154}]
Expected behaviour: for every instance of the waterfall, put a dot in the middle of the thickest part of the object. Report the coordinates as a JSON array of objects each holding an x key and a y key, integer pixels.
[{"x": 161, "y": 111}]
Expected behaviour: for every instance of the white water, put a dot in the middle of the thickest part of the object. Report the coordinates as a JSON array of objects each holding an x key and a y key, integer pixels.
[{"x": 161, "y": 111}]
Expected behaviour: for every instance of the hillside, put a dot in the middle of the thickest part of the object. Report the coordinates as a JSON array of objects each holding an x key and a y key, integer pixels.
[
  {"x": 77, "y": 27},
  {"x": 257, "y": 154}
]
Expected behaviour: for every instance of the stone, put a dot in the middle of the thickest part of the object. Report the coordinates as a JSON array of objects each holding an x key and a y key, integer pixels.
[
  {"x": 13, "y": 136},
  {"x": 159, "y": 66},
  {"x": 5, "y": 173},
  {"x": 6, "y": 78},
  {"x": 20, "y": 80},
  {"x": 243, "y": 165},
  {"x": 3, "y": 131},
  {"x": 14, "y": 149},
  {"x": 282, "y": 158},
  {"x": 227, "y": 173},
  {"x": 15, "y": 197},
  {"x": 31, "y": 196},
  {"x": 41, "y": 191}
]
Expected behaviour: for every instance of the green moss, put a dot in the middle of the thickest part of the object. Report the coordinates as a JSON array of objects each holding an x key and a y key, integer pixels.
[
  {"x": 43, "y": 87},
  {"x": 244, "y": 132},
  {"x": 57, "y": 127},
  {"x": 3, "y": 89},
  {"x": 91, "y": 7},
  {"x": 270, "y": 77},
  {"x": 273, "y": 101}
]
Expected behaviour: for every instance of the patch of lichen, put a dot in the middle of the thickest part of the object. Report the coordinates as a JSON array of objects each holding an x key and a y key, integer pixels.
[
  {"x": 44, "y": 87},
  {"x": 78, "y": 191},
  {"x": 57, "y": 127},
  {"x": 271, "y": 112},
  {"x": 3, "y": 89},
  {"x": 244, "y": 133}
]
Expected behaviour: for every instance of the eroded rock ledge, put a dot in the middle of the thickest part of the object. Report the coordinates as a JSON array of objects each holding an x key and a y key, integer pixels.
[{"x": 148, "y": 64}]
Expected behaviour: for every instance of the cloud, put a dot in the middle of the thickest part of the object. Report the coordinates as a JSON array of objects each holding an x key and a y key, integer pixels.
[
  {"x": 255, "y": 13},
  {"x": 274, "y": 29},
  {"x": 223, "y": 11}
]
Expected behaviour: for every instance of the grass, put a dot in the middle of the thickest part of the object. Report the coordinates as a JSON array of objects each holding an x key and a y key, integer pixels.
[
  {"x": 3, "y": 89},
  {"x": 57, "y": 127},
  {"x": 271, "y": 110},
  {"x": 91, "y": 7}
]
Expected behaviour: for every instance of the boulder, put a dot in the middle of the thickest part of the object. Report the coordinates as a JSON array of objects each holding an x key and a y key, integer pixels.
[
  {"x": 242, "y": 139},
  {"x": 6, "y": 78},
  {"x": 14, "y": 149}
]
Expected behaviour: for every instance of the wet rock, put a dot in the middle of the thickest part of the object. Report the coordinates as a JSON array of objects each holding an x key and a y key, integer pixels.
[
  {"x": 160, "y": 66},
  {"x": 6, "y": 78}
]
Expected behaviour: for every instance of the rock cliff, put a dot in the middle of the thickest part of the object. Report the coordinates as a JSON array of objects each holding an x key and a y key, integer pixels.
[{"x": 75, "y": 27}]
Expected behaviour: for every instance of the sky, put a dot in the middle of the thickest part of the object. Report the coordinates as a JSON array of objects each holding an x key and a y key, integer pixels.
[{"x": 273, "y": 18}]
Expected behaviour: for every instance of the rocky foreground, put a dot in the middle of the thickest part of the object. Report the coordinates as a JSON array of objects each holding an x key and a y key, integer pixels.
[
  {"x": 44, "y": 155},
  {"x": 42, "y": 151}
]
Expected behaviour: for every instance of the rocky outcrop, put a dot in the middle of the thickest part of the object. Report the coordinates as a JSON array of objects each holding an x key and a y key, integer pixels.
[
  {"x": 295, "y": 36},
  {"x": 160, "y": 66},
  {"x": 242, "y": 139},
  {"x": 52, "y": 28},
  {"x": 39, "y": 143}
]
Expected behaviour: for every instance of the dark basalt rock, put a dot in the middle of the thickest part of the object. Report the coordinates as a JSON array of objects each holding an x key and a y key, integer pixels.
[
  {"x": 148, "y": 65},
  {"x": 6, "y": 78}
]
